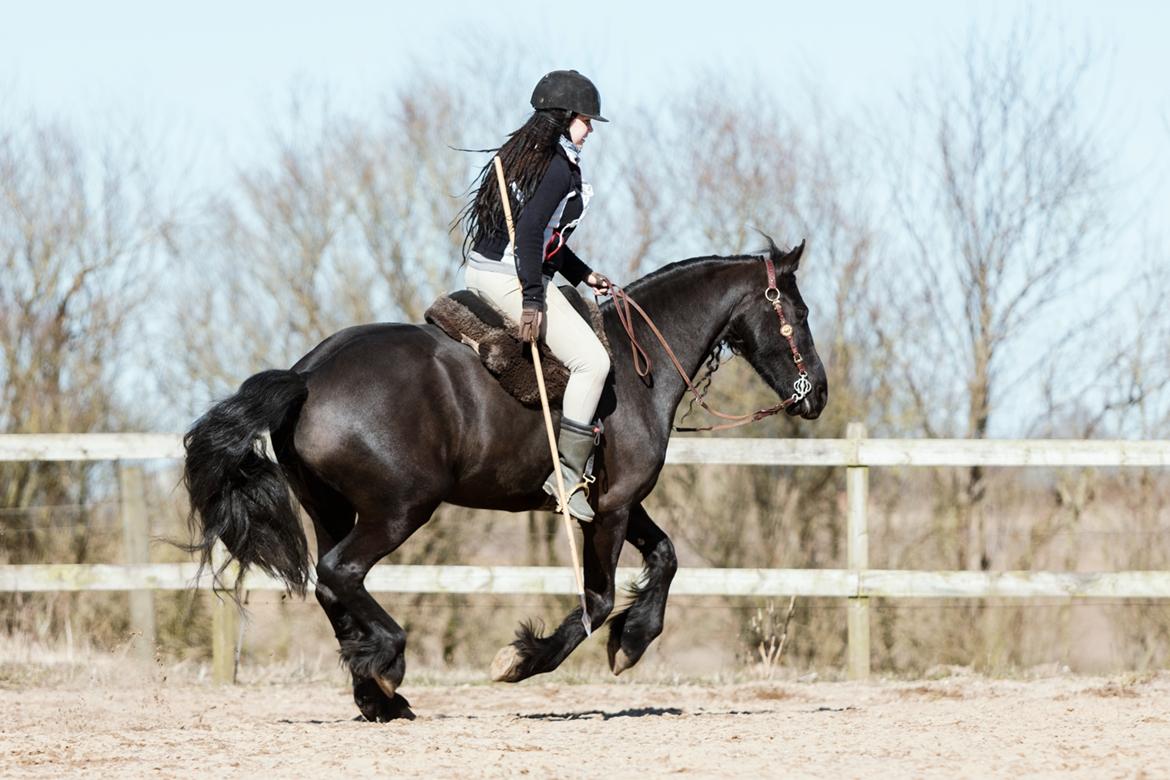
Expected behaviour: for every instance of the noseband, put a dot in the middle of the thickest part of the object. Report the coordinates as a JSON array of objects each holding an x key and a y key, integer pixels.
[{"x": 623, "y": 303}]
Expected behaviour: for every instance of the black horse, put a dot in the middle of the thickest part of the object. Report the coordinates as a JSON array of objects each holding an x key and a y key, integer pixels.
[{"x": 379, "y": 424}]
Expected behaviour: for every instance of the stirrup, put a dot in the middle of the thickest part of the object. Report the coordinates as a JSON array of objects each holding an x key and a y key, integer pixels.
[
  {"x": 583, "y": 487},
  {"x": 570, "y": 492}
]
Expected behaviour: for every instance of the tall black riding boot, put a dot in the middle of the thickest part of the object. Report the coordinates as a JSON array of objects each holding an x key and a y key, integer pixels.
[{"x": 575, "y": 443}]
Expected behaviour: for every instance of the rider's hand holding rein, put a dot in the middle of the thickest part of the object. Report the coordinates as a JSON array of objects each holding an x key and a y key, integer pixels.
[{"x": 599, "y": 282}]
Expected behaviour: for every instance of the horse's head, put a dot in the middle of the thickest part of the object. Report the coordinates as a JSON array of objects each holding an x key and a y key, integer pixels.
[{"x": 770, "y": 329}]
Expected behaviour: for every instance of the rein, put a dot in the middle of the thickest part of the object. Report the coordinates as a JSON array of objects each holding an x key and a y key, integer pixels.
[{"x": 625, "y": 305}]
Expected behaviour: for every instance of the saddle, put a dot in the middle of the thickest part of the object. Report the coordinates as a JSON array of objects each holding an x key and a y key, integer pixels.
[{"x": 495, "y": 337}]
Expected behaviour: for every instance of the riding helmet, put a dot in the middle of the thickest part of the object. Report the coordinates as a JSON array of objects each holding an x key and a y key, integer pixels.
[{"x": 568, "y": 90}]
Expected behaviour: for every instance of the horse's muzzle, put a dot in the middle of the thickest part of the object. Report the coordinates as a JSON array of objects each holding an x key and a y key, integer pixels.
[{"x": 811, "y": 406}]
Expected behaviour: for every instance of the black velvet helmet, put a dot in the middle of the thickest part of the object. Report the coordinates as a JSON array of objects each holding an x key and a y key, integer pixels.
[{"x": 568, "y": 90}]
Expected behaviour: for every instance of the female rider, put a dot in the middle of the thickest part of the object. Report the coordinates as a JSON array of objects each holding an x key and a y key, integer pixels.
[{"x": 542, "y": 166}]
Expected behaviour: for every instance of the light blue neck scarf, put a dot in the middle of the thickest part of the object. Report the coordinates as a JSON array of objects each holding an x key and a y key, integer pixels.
[{"x": 572, "y": 150}]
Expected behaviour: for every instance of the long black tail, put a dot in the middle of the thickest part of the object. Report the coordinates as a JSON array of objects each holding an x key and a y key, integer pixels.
[{"x": 237, "y": 493}]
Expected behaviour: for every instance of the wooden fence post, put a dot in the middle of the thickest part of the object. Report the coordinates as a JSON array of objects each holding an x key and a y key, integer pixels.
[
  {"x": 136, "y": 550},
  {"x": 856, "y": 498},
  {"x": 225, "y": 621}
]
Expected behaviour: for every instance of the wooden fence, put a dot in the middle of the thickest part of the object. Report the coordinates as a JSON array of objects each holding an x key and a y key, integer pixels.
[{"x": 857, "y": 583}]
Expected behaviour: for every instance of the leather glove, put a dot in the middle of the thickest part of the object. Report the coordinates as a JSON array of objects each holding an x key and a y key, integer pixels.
[
  {"x": 530, "y": 320},
  {"x": 599, "y": 282}
]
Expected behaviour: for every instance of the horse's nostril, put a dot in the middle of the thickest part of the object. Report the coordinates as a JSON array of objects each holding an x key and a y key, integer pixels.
[{"x": 822, "y": 395}]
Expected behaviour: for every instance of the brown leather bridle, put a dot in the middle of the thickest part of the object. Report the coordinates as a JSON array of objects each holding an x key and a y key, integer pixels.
[{"x": 623, "y": 303}]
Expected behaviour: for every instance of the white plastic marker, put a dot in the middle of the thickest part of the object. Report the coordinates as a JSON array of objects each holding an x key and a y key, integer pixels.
[{"x": 552, "y": 439}]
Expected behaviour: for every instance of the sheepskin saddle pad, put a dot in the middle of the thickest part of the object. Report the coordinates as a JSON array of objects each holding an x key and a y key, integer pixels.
[{"x": 466, "y": 317}]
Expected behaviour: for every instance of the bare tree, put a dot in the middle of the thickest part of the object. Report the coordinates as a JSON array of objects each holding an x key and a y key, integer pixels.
[
  {"x": 404, "y": 192},
  {"x": 690, "y": 187},
  {"x": 999, "y": 203},
  {"x": 80, "y": 229},
  {"x": 347, "y": 222}
]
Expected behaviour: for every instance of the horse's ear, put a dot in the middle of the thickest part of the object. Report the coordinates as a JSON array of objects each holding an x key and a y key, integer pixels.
[{"x": 788, "y": 262}]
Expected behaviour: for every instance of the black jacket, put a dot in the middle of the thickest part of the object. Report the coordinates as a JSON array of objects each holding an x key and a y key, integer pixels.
[{"x": 543, "y": 227}]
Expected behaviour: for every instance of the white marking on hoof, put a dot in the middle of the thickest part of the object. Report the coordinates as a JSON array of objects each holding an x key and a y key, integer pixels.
[
  {"x": 621, "y": 662},
  {"x": 506, "y": 665},
  {"x": 387, "y": 686}
]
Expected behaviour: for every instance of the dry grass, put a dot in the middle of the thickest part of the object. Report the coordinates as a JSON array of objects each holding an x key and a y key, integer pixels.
[
  {"x": 1114, "y": 690},
  {"x": 771, "y": 693},
  {"x": 930, "y": 693},
  {"x": 1125, "y": 686}
]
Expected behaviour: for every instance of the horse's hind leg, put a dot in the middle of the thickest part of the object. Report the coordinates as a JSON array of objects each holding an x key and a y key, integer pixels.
[
  {"x": 632, "y": 631},
  {"x": 533, "y": 654},
  {"x": 333, "y": 518},
  {"x": 374, "y": 705},
  {"x": 368, "y": 695},
  {"x": 376, "y": 650}
]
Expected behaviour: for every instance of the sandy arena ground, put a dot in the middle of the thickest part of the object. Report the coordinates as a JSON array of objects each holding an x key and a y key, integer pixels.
[{"x": 955, "y": 727}]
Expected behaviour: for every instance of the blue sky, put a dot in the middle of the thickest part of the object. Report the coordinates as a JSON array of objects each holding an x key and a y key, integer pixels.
[{"x": 209, "y": 72}]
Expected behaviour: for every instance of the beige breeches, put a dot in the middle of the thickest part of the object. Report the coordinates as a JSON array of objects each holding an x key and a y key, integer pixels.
[{"x": 568, "y": 336}]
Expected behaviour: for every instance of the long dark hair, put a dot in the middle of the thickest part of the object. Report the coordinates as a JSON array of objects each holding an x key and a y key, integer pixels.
[{"x": 526, "y": 155}]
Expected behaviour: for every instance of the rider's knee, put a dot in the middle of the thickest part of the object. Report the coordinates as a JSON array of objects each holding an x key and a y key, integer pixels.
[{"x": 595, "y": 360}]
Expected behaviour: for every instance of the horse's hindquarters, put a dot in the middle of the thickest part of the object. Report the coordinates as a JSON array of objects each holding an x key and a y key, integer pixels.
[{"x": 402, "y": 413}]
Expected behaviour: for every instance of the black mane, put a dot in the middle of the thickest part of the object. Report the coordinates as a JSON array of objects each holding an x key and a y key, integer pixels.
[{"x": 778, "y": 256}]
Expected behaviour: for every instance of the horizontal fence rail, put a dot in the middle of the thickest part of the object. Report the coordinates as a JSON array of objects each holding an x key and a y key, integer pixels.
[
  {"x": 90, "y": 446},
  {"x": 695, "y": 450},
  {"x": 557, "y": 580},
  {"x": 857, "y": 583}
]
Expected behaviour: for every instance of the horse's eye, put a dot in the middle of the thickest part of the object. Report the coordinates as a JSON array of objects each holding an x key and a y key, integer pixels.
[{"x": 802, "y": 314}]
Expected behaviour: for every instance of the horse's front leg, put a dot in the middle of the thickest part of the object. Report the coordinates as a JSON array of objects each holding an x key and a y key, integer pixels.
[
  {"x": 533, "y": 654},
  {"x": 632, "y": 631}
]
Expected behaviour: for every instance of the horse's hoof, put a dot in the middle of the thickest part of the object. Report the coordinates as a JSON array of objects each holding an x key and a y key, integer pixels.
[
  {"x": 619, "y": 662},
  {"x": 399, "y": 709},
  {"x": 388, "y": 686},
  {"x": 619, "y": 659},
  {"x": 376, "y": 707},
  {"x": 506, "y": 665}
]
